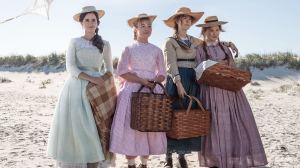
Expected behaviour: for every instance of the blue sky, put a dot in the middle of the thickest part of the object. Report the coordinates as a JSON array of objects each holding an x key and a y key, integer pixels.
[{"x": 255, "y": 26}]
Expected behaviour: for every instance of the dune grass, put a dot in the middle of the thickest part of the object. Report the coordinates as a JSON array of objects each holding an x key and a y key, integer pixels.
[
  {"x": 37, "y": 63},
  {"x": 290, "y": 60},
  {"x": 260, "y": 61},
  {"x": 19, "y": 60}
]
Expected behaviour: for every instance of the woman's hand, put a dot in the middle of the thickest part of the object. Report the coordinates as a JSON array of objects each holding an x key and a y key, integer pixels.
[
  {"x": 147, "y": 83},
  {"x": 180, "y": 89},
  {"x": 159, "y": 79},
  {"x": 232, "y": 46},
  {"x": 97, "y": 80}
]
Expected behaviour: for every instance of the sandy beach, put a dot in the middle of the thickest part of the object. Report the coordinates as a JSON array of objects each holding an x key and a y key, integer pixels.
[{"x": 27, "y": 104}]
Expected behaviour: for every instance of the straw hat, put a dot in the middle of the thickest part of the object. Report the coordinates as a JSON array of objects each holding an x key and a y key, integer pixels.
[
  {"x": 211, "y": 21},
  {"x": 183, "y": 11},
  {"x": 132, "y": 21},
  {"x": 87, "y": 9}
]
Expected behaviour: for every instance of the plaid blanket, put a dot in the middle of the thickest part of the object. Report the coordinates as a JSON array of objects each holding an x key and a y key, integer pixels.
[{"x": 103, "y": 99}]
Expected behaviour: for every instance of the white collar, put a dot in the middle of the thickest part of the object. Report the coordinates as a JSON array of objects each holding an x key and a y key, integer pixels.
[
  {"x": 141, "y": 43},
  {"x": 212, "y": 43},
  {"x": 185, "y": 38}
]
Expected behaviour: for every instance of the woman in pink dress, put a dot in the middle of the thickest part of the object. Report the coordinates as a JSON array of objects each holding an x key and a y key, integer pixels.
[
  {"x": 140, "y": 63},
  {"x": 234, "y": 140}
]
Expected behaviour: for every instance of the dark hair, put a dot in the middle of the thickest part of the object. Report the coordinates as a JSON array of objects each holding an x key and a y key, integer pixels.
[
  {"x": 175, "y": 34},
  {"x": 135, "y": 25},
  {"x": 97, "y": 39}
]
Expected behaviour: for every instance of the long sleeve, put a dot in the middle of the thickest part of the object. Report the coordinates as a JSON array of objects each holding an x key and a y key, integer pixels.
[
  {"x": 161, "y": 68},
  {"x": 171, "y": 61},
  {"x": 71, "y": 65},
  {"x": 107, "y": 58},
  {"x": 124, "y": 63},
  {"x": 200, "y": 55}
]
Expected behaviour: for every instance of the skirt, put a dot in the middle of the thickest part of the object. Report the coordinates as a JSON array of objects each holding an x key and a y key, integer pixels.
[
  {"x": 234, "y": 140},
  {"x": 127, "y": 141},
  {"x": 73, "y": 138},
  {"x": 188, "y": 80}
]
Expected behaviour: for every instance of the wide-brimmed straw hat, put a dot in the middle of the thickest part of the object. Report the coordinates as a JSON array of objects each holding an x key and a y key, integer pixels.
[
  {"x": 87, "y": 9},
  {"x": 211, "y": 21},
  {"x": 133, "y": 20},
  {"x": 183, "y": 11}
]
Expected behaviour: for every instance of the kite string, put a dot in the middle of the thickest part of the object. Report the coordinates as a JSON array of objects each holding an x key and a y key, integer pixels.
[{"x": 33, "y": 8}]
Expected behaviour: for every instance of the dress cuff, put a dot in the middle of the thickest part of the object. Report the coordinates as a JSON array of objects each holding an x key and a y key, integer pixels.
[{"x": 176, "y": 78}]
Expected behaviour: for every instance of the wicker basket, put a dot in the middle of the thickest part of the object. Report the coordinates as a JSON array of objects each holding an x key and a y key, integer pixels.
[
  {"x": 151, "y": 112},
  {"x": 191, "y": 122},
  {"x": 225, "y": 77}
]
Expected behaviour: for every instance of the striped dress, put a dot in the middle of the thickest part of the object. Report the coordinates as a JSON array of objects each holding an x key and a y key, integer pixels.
[{"x": 234, "y": 140}]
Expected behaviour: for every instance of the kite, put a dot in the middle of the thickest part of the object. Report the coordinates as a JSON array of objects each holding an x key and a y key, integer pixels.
[{"x": 40, "y": 7}]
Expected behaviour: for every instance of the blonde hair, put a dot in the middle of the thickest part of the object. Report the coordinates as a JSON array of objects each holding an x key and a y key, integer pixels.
[{"x": 135, "y": 25}]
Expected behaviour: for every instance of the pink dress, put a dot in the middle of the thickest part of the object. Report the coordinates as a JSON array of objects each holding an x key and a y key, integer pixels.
[{"x": 146, "y": 61}]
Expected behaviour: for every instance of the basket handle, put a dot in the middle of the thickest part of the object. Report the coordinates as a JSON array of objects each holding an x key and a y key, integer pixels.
[
  {"x": 142, "y": 87},
  {"x": 162, "y": 86},
  {"x": 192, "y": 98},
  {"x": 152, "y": 89}
]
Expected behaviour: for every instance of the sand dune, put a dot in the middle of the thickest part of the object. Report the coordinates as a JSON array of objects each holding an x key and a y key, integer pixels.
[{"x": 27, "y": 104}]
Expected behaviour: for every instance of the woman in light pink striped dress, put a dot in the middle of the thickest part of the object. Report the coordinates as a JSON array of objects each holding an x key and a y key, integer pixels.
[
  {"x": 139, "y": 63},
  {"x": 234, "y": 140}
]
